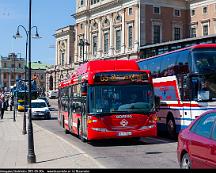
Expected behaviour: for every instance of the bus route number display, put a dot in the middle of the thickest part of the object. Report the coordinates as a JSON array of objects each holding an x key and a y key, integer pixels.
[{"x": 121, "y": 76}]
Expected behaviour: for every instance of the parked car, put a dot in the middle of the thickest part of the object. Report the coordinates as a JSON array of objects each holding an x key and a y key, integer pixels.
[
  {"x": 197, "y": 143},
  {"x": 53, "y": 94},
  {"x": 40, "y": 109},
  {"x": 45, "y": 99}
]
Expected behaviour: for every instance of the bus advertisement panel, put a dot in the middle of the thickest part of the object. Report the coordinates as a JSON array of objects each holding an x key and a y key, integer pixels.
[
  {"x": 108, "y": 99},
  {"x": 185, "y": 80}
]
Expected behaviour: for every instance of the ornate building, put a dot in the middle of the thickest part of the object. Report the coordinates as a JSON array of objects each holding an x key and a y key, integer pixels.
[
  {"x": 203, "y": 17},
  {"x": 11, "y": 68},
  {"x": 117, "y": 28},
  {"x": 64, "y": 60}
]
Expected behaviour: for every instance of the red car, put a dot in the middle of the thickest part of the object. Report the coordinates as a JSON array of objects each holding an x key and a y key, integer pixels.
[{"x": 197, "y": 143}]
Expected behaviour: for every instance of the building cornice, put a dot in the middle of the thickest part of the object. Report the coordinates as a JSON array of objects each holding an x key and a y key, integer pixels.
[{"x": 87, "y": 12}]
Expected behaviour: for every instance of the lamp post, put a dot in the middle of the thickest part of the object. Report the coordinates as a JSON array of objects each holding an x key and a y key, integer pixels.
[
  {"x": 31, "y": 157},
  {"x": 14, "y": 111},
  {"x": 82, "y": 44},
  {"x": 26, "y": 55}
]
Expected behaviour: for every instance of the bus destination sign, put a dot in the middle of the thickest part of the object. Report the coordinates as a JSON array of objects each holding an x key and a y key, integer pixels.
[{"x": 121, "y": 77}]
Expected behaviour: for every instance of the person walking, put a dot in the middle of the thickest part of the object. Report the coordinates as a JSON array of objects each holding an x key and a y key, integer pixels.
[
  {"x": 0, "y": 105},
  {"x": 3, "y": 107},
  {"x": 11, "y": 102}
]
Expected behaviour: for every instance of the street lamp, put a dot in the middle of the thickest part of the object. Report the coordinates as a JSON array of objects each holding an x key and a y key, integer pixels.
[
  {"x": 31, "y": 155},
  {"x": 82, "y": 44},
  {"x": 36, "y": 36},
  {"x": 14, "y": 111}
]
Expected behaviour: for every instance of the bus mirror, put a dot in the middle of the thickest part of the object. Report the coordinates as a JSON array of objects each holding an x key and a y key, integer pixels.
[
  {"x": 157, "y": 102},
  {"x": 84, "y": 89}
]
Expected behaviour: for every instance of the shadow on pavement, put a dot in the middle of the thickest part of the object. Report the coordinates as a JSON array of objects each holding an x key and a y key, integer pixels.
[
  {"x": 63, "y": 157},
  {"x": 160, "y": 139},
  {"x": 40, "y": 119},
  {"x": 116, "y": 142}
]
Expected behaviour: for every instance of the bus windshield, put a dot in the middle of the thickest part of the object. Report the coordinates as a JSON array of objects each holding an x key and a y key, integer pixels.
[
  {"x": 204, "y": 60},
  {"x": 121, "y": 99},
  {"x": 204, "y": 85}
]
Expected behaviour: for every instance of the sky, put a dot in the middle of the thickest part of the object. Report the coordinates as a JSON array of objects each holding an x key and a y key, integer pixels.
[{"x": 47, "y": 15}]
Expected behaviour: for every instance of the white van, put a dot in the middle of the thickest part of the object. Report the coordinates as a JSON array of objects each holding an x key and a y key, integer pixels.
[{"x": 53, "y": 94}]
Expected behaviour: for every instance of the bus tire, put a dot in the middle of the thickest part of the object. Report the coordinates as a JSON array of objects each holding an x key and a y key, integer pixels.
[
  {"x": 62, "y": 121},
  {"x": 67, "y": 131},
  {"x": 63, "y": 125},
  {"x": 171, "y": 127}
]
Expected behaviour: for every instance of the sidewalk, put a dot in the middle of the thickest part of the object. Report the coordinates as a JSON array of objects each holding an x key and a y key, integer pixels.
[{"x": 51, "y": 151}]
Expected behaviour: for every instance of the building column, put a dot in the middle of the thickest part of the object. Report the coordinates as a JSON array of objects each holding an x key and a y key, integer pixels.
[
  {"x": 111, "y": 41},
  {"x": 9, "y": 79},
  {"x": 123, "y": 32},
  {"x": 56, "y": 52},
  {"x": 86, "y": 40},
  {"x": 68, "y": 49},
  {"x": 136, "y": 28},
  {"x": 76, "y": 45},
  {"x": 100, "y": 38}
]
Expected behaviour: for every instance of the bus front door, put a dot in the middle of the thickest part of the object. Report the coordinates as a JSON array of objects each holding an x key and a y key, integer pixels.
[{"x": 84, "y": 136}]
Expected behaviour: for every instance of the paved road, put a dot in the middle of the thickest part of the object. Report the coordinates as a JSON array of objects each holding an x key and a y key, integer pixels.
[{"x": 147, "y": 153}]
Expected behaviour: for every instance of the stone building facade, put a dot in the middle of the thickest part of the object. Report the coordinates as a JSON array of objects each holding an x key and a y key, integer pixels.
[
  {"x": 11, "y": 68},
  {"x": 39, "y": 75},
  {"x": 203, "y": 17},
  {"x": 64, "y": 60},
  {"x": 117, "y": 28}
]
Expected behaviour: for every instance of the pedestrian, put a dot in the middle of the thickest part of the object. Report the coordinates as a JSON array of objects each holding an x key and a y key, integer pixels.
[
  {"x": 11, "y": 103},
  {"x": 0, "y": 105},
  {"x": 3, "y": 107},
  {"x": 7, "y": 103}
]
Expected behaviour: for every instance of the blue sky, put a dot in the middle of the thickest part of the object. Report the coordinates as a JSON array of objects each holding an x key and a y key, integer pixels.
[{"x": 47, "y": 15}]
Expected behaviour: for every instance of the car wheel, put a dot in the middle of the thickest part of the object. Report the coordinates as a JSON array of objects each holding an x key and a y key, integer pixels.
[
  {"x": 185, "y": 162},
  {"x": 171, "y": 127}
]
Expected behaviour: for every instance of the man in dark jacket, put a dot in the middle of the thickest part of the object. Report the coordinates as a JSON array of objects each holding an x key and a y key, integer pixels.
[{"x": 3, "y": 107}]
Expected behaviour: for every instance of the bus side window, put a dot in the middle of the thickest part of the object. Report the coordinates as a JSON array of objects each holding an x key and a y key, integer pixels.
[
  {"x": 154, "y": 66},
  {"x": 183, "y": 62},
  {"x": 144, "y": 65},
  {"x": 168, "y": 64}
]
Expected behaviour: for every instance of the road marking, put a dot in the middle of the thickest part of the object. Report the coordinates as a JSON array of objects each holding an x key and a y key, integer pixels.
[{"x": 75, "y": 147}]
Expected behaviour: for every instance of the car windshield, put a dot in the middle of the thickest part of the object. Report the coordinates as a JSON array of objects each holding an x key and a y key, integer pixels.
[
  {"x": 121, "y": 98},
  {"x": 43, "y": 98},
  {"x": 38, "y": 105}
]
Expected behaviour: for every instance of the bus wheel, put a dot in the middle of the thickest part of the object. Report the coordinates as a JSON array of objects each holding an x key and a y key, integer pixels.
[
  {"x": 62, "y": 121},
  {"x": 67, "y": 131},
  {"x": 171, "y": 127}
]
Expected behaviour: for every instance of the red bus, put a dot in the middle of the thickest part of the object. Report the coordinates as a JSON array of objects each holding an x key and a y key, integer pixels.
[{"x": 108, "y": 99}]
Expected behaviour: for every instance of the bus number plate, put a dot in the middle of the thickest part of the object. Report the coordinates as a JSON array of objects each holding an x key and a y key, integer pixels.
[{"x": 124, "y": 133}]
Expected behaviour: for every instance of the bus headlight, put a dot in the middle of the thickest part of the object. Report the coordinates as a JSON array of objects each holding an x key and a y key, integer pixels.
[
  {"x": 100, "y": 129},
  {"x": 147, "y": 127}
]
